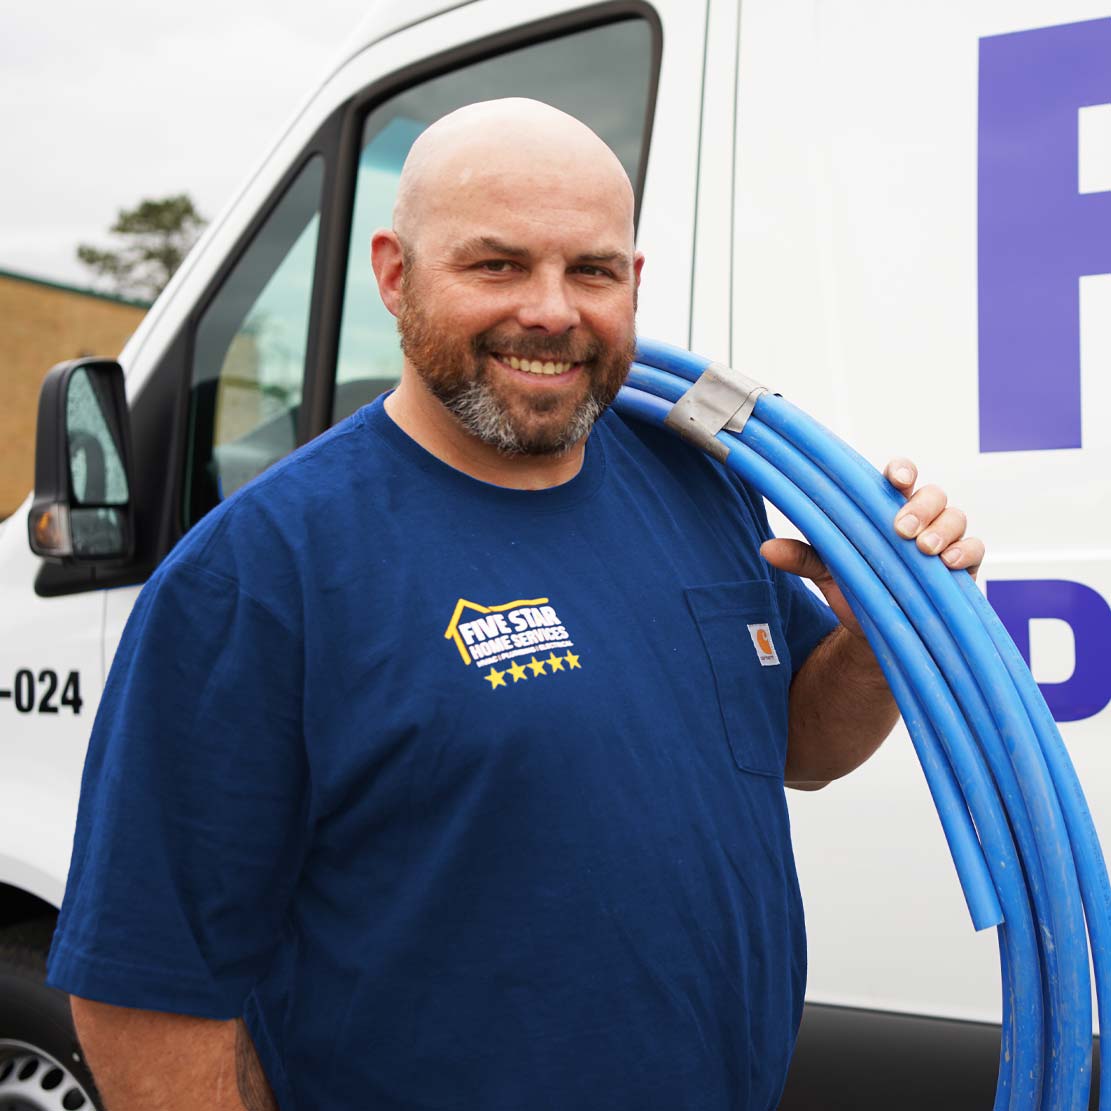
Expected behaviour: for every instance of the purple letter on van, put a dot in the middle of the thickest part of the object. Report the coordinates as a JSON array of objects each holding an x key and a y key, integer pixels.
[
  {"x": 1037, "y": 233},
  {"x": 1087, "y": 613}
]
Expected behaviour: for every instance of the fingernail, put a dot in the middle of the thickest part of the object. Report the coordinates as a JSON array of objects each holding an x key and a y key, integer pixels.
[
  {"x": 952, "y": 556},
  {"x": 907, "y": 524},
  {"x": 931, "y": 542},
  {"x": 904, "y": 475}
]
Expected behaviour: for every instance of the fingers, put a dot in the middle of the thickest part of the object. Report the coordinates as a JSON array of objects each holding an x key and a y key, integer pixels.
[
  {"x": 966, "y": 555},
  {"x": 794, "y": 556},
  {"x": 936, "y": 535},
  {"x": 937, "y": 527},
  {"x": 902, "y": 474},
  {"x": 920, "y": 511}
]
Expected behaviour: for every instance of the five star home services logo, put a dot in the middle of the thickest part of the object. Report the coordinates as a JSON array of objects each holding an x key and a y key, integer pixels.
[{"x": 529, "y": 627}]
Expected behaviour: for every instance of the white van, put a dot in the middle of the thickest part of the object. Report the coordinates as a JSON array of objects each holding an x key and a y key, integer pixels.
[{"x": 897, "y": 215}]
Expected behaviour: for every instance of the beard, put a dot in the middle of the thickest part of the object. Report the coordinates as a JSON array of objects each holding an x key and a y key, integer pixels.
[{"x": 516, "y": 422}]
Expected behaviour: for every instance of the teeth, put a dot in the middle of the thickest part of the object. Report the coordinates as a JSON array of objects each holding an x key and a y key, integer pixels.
[{"x": 534, "y": 366}]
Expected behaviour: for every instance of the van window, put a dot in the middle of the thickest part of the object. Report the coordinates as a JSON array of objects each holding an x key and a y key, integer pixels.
[
  {"x": 249, "y": 352},
  {"x": 602, "y": 75}
]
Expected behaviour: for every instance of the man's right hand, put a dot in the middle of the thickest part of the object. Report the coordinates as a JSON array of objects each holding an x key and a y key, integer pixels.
[{"x": 152, "y": 1061}]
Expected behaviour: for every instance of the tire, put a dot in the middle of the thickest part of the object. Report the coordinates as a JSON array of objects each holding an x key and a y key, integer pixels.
[{"x": 42, "y": 1067}]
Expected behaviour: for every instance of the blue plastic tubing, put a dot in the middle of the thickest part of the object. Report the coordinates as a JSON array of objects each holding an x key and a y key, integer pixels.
[{"x": 1010, "y": 804}]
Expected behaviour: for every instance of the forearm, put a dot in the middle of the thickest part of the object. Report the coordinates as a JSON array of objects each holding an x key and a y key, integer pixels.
[
  {"x": 840, "y": 711},
  {"x": 151, "y": 1061}
]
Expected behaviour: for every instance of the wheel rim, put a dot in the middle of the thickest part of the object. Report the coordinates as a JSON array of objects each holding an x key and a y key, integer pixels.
[{"x": 32, "y": 1080}]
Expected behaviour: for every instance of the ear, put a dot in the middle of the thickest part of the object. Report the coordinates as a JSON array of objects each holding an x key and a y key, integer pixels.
[
  {"x": 638, "y": 265},
  {"x": 387, "y": 259}
]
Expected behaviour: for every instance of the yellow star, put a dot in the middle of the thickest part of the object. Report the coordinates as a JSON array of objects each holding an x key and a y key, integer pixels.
[
  {"x": 537, "y": 666},
  {"x": 572, "y": 660},
  {"x": 555, "y": 662},
  {"x": 518, "y": 672},
  {"x": 495, "y": 678}
]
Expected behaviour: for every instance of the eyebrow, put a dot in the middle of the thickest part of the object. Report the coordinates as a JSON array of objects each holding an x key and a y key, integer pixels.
[
  {"x": 482, "y": 243},
  {"x": 617, "y": 259}
]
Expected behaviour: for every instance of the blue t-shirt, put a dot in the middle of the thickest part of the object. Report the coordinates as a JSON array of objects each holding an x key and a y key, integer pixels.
[{"x": 465, "y": 797}]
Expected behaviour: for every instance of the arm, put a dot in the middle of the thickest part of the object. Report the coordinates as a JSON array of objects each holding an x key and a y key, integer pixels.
[
  {"x": 840, "y": 708},
  {"x": 840, "y": 711},
  {"x": 195, "y": 787},
  {"x": 152, "y": 1061}
]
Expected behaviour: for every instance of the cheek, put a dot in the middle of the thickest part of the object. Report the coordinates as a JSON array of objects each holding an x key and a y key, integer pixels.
[
  {"x": 614, "y": 321},
  {"x": 472, "y": 316}
]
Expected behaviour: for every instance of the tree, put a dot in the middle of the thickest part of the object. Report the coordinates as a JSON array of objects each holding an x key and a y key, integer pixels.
[{"x": 156, "y": 236}]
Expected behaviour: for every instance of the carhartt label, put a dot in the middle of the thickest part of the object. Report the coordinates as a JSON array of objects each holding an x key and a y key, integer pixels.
[{"x": 765, "y": 648}]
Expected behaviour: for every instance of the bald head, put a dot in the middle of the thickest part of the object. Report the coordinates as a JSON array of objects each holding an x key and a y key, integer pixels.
[
  {"x": 514, "y": 146},
  {"x": 512, "y": 271}
]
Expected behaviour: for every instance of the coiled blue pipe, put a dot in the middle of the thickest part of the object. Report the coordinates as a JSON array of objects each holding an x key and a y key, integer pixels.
[
  {"x": 1058, "y": 908},
  {"x": 1021, "y": 1077},
  {"x": 989, "y": 748}
]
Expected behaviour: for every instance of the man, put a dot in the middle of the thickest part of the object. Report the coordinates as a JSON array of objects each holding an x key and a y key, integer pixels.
[{"x": 437, "y": 768}]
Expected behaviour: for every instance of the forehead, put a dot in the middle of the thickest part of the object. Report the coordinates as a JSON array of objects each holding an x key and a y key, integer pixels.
[{"x": 542, "y": 204}]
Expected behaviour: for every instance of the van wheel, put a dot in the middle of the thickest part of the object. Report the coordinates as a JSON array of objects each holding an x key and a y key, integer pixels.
[{"x": 42, "y": 1067}]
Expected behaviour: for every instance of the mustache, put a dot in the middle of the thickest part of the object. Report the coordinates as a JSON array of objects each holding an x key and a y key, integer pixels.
[{"x": 563, "y": 349}]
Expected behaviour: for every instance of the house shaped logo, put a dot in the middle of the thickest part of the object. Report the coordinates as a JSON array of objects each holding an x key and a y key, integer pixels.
[{"x": 528, "y": 627}]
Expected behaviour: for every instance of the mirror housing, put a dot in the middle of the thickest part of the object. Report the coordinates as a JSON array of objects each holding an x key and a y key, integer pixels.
[{"x": 81, "y": 511}]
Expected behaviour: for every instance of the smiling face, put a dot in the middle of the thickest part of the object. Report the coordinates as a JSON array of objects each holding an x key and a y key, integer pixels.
[{"x": 518, "y": 288}]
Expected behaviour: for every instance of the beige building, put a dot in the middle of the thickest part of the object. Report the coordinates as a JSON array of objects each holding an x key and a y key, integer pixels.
[{"x": 43, "y": 323}]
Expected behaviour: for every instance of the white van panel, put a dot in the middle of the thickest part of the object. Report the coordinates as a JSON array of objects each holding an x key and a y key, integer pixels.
[
  {"x": 42, "y": 749},
  {"x": 856, "y": 295},
  {"x": 386, "y": 17},
  {"x": 711, "y": 300}
]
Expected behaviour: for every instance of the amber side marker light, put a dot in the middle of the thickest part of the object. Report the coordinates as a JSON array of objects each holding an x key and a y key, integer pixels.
[{"x": 50, "y": 533}]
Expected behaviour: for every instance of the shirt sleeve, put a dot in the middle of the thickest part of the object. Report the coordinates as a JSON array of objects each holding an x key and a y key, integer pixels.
[
  {"x": 191, "y": 827},
  {"x": 805, "y": 615}
]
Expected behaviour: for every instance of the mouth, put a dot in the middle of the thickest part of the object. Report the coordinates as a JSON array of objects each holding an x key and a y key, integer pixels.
[{"x": 540, "y": 368}]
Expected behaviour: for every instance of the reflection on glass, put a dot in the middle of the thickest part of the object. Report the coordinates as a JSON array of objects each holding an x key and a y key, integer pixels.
[
  {"x": 602, "y": 76},
  {"x": 249, "y": 356},
  {"x": 260, "y": 380},
  {"x": 96, "y": 469},
  {"x": 97, "y": 532}
]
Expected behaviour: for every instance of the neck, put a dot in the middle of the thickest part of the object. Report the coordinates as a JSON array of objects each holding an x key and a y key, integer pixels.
[{"x": 423, "y": 417}]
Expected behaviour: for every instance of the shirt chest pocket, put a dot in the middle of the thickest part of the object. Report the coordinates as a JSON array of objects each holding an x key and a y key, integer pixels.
[{"x": 741, "y": 630}]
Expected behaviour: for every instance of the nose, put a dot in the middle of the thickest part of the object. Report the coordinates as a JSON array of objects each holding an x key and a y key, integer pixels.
[{"x": 547, "y": 303}]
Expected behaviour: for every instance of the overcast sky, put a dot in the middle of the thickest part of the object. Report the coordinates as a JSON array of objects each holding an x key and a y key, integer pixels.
[{"x": 104, "y": 104}]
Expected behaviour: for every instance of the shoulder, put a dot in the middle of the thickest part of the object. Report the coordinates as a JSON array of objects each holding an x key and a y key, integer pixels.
[
  {"x": 634, "y": 444},
  {"x": 261, "y": 533}
]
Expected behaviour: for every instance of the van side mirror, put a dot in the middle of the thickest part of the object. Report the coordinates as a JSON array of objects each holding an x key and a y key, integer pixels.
[{"x": 81, "y": 511}]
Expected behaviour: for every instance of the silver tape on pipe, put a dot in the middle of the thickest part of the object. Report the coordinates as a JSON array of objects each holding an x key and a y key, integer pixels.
[{"x": 721, "y": 398}]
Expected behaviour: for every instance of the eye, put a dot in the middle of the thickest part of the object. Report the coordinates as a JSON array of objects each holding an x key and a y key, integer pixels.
[
  {"x": 496, "y": 265},
  {"x": 594, "y": 271}
]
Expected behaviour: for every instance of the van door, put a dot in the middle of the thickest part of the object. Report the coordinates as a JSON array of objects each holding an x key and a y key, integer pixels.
[
  {"x": 51, "y": 676},
  {"x": 288, "y": 334},
  {"x": 630, "y": 71}
]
